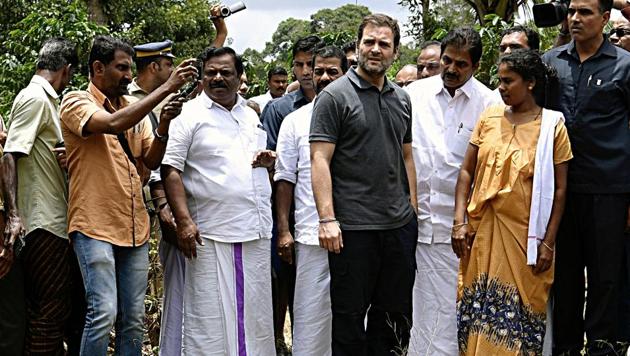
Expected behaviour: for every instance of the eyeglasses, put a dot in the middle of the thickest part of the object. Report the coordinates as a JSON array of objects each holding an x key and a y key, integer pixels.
[
  {"x": 619, "y": 32},
  {"x": 404, "y": 84},
  {"x": 428, "y": 66}
]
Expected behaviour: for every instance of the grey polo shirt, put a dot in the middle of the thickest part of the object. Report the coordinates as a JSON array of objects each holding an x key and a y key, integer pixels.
[
  {"x": 594, "y": 97},
  {"x": 368, "y": 127}
]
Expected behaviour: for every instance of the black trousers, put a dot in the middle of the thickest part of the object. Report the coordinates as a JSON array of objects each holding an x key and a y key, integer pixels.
[
  {"x": 373, "y": 274},
  {"x": 12, "y": 311},
  {"x": 591, "y": 235}
]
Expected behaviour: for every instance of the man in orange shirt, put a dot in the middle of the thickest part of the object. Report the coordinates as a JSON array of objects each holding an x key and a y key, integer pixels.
[{"x": 107, "y": 220}]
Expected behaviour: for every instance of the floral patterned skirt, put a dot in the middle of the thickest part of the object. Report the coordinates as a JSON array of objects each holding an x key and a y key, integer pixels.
[{"x": 501, "y": 306}]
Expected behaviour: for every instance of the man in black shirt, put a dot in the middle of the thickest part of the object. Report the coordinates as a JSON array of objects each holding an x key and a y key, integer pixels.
[
  {"x": 364, "y": 185},
  {"x": 594, "y": 96}
]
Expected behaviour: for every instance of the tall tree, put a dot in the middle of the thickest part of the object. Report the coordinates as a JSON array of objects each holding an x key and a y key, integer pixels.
[
  {"x": 25, "y": 24},
  {"x": 429, "y": 19},
  {"x": 186, "y": 22},
  {"x": 334, "y": 25}
]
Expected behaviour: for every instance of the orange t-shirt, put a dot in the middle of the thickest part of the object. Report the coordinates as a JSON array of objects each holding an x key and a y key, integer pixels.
[{"x": 105, "y": 191}]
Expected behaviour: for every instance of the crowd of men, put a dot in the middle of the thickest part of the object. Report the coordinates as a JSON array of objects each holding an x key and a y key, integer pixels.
[{"x": 328, "y": 201}]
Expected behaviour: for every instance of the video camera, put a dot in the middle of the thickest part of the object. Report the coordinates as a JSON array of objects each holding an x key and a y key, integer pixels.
[
  {"x": 551, "y": 13},
  {"x": 232, "y": 9}
]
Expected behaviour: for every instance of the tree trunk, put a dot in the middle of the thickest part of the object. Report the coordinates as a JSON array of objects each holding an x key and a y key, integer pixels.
[
  {"x": 96, "y": 13},
  {"x": 426, "y": 18}
]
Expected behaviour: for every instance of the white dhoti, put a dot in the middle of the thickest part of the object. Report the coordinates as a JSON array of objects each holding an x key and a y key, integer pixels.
[
  {"x": 434, "y": 331},
  {"x": 227, "y": 300},
  {"x": 312, "y": 314},
  {"x": 174, "y": 266}
]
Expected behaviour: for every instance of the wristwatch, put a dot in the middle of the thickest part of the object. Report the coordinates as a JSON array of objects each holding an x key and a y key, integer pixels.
[{"x": 163, "y": 139}]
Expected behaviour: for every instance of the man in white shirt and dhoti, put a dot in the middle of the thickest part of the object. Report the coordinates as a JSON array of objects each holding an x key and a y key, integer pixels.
[
  {"x": 445, "y": 110},
  {"x": 215, "y": 173}
]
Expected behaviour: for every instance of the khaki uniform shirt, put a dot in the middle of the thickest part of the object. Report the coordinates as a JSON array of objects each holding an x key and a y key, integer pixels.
[
  {"x": 105, "y": 190},
  {"x": 139, "y": 93},
  {"x": 34, "y": 130}
]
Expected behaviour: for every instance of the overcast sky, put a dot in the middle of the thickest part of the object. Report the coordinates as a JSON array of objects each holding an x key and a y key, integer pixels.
[{"x": 252, "y": 27}]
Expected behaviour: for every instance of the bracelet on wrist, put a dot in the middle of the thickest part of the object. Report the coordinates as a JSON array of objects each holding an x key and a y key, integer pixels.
[
  {"x": 328, "y": 220},
  {"x": 458, "y": 226},
  {"x": 547, "y": 246}
]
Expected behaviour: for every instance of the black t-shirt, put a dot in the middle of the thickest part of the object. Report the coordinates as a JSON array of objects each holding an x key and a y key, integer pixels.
[{"x": 368, "y": 127}]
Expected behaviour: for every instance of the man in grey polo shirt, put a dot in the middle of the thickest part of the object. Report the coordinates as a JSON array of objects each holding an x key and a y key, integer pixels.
[{"x": 364, "y": 186}]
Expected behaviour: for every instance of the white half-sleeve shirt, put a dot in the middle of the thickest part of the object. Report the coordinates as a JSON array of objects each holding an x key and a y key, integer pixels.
[
  {"x": 293, "y": 164},
  {"x": 442, "y": 126},
  {"x": 228, "y": 199}
]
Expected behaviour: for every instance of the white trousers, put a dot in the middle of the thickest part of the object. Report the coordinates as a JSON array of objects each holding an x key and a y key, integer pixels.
[
  {"x": 227, "y": 300},
  {"x": 312, "y": 314},
  {"x": 174, "y": 266},
  {"x": 434, "y": 331}
]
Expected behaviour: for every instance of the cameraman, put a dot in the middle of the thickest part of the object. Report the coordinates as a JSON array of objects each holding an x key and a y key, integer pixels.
[{"x": 594, "y": 96}]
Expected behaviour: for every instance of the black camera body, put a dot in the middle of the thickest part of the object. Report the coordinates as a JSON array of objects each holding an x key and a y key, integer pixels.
[{"x": 551, "y": 13}]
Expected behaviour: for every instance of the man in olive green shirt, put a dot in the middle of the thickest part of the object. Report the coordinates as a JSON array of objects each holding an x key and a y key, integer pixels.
[{"x": 36, "y": 193}]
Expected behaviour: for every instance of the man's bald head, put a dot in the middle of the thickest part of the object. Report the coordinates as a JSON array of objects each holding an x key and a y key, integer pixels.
[
  {"x": 406, "y": 75},
  {"x": 428, "y": 62},
  {"x": 620, "y": 33}
]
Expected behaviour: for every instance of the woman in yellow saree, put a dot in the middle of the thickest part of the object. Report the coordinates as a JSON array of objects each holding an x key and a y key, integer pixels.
[{"x": 504, "y": 231}]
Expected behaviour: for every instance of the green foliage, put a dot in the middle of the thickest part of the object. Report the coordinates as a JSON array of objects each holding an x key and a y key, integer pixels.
[
  {"x": 185, "y": 22},
  {"x": 335, "y": 26},
  {"x": 490, "y": 33},
  {"x": 428, "y": 18},
  {"x": 46, "y": 19},
  {"x": 256, "y": 68},
  {"x": 25, "y": 27},
  {"x": 288, "y": 31},
  {"x": 547, "y": 36},
  {"x": 344, "y": 19},
  {"x": 407, "y": 54}
]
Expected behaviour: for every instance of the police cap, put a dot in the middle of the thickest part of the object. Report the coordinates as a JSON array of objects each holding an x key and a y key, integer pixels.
[{"x": 155, "y": 49}]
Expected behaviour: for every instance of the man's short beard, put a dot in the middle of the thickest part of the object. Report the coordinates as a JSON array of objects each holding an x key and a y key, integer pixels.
[
  {"x": 383, "y": 67},
  {"x": 122, "y": 91}
]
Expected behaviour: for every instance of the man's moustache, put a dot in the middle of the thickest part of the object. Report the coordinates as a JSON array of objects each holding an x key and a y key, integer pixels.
[{"x": 217, "y": 85}]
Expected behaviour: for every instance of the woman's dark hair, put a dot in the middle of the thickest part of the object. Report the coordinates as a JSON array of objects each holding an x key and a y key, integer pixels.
[{"x": 529, "y": 65}]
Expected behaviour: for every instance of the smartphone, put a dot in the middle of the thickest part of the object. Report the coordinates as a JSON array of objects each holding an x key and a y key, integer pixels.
[{"x": 186, "y": 90}]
